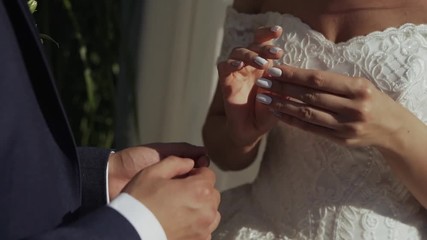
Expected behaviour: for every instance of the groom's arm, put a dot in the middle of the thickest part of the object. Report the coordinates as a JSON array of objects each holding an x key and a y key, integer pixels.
[
  {"x": 93, "y": 164},
  {"x": 103, "y": 224},
  {"x": 93, "y": 170},
  {"x": 125, "y": 218}
]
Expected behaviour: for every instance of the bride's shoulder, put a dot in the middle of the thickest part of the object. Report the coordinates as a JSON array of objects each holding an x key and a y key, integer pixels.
[{"x": 248, "y": 6}]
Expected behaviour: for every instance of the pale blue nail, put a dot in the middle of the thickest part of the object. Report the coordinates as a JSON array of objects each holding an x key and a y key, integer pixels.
[
  {"x": 260, "y": 61},
  {"x": 275, "y": 50},
  {"x": 264, "y": 99},
  {"x": 275, "y": 72},
  {"x": 275, "y": 28},
  {"x": 264, "y": 83}
]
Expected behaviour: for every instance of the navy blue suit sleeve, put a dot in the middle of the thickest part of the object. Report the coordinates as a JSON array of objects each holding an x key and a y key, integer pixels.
[
  {"x": 104, "y": 223},
  {"x": 93, "y": 166}
]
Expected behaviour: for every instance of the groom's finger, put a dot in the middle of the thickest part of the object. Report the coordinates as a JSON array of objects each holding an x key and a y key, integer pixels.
[
  {"x": 204, "y": 174},
  {"x": 171, "y": 167}
]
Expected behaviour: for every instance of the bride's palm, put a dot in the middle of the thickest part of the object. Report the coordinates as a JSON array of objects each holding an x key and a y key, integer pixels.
[{"x": 247, "y": 120}]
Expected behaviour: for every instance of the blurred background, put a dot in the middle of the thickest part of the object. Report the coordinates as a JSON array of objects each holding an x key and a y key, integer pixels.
[{"x": 133, "y": 72}]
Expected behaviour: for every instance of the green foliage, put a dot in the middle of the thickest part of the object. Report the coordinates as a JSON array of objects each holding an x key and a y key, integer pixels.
[
  {"x": 32, "y": 4},
  {"x": 84, "y": 63}
]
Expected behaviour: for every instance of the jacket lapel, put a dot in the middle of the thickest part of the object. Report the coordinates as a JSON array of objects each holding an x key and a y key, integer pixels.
[
  {"x": 28, "y": 17},
  {"x": 40, "y": 74}
]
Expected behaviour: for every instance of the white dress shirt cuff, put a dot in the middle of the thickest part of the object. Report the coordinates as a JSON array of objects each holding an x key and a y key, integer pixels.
[
  {"x": 106, "y": 183},
  {"x": 141, "y": 218}
]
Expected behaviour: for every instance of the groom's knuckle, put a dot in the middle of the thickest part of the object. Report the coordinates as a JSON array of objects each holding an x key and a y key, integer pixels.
[
  {"x": 211, "y": 215},
  {"x": 216, "y": 197},
  {"x": 149, "y": 172},
  {"x": 203, "y": 190},
  {"x": 210, "y": 175},
  {"x": 201, "y": 235},
  {"x": 200, "y": 231},
  {"x": 207, "y": 217}
]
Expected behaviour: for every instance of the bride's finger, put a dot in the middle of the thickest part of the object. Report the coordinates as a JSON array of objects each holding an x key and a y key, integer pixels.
[
  {"x": 322, "y": 80},
  {"x": 312, "y": 119},
  {"x": 267, "y": 51},
  {"x": 298, "y": 123},
  {"x": 346, "y": 135},
  {"x": 310, "y": 96},
  {"x": 229, "y": 66},
  {"x": 265, "y": 34},
  {"x": 249, "y": 58},
  {"x": 301, "y": 111}
]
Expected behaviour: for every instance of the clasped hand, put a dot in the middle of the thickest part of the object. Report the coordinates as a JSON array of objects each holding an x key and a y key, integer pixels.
[{"x": 173, "y": 181}]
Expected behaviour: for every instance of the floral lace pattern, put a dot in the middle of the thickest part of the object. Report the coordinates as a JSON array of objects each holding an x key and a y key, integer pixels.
[{"x": 326, "y": 191}]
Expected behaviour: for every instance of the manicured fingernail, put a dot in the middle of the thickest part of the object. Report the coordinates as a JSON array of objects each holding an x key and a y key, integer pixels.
[
  {"x": 262, "y": 98},
  {"x": 236, "y": 63},
  {"x": 275, "y": 72},
  {"x": 260, "y": 61},
  {"x": 264, "y": 83},
  {"x": 275, "y": 50},
  {"x": 275, "y": 28}
]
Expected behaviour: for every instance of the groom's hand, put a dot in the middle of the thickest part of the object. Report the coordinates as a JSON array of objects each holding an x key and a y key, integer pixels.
[
  {"x": 125, "y": 164},
  {"x": 186, "y": 207}
]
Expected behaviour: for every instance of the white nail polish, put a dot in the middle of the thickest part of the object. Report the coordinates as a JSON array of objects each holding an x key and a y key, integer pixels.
[
  {"x": 275, "y": 50},
  {"x": 260, "y": 61},
  {"x": 264, "y": 83},
  {"x": 275, "y": 28},
  {"x": 275, "y": 72},
  {"x": 262, "y": 98}
]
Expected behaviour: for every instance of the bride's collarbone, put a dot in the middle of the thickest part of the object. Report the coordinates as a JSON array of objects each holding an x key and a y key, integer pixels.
[
  {"x": 334, "y": 6},
  {"x": 341, "y": 25}
]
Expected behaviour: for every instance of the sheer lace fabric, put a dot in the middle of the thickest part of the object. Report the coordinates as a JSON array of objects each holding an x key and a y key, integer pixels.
[{"x": 309, "y": 187}]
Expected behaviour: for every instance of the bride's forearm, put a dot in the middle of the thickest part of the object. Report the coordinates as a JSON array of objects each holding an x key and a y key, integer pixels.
[
  {"x": 406, "y": 152},
  {"x": 223, "y": 150}
]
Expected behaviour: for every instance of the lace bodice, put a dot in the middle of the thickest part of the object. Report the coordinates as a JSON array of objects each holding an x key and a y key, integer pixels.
[{"x": 309, "y": 187}]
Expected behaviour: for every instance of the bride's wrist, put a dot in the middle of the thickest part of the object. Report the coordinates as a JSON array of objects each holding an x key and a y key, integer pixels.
[
  {"x": 400, "y": 140},
  {"x": 240, "y": 140},
  {"x": 246, "y": 143}
]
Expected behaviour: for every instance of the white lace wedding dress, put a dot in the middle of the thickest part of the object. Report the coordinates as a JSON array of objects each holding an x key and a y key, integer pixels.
[{"x": 309, "y": 187}]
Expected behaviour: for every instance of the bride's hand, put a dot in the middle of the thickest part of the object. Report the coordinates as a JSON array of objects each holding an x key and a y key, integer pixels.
[
  {"x": 348, "y": 110},
  {"x": 247, "y": 120}
]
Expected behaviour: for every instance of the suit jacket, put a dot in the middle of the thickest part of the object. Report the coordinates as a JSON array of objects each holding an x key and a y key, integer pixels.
[{"x": 48, "y": 188}]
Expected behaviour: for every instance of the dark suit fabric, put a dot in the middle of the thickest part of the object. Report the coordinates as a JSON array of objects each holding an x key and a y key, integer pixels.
[{"x": 48, "y": 188}]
